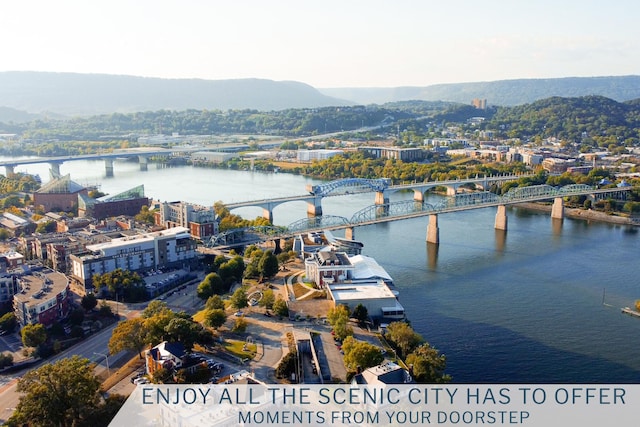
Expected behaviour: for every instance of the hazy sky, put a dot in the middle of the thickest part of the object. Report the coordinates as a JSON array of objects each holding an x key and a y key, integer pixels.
[{"x": 325, "y": 43}]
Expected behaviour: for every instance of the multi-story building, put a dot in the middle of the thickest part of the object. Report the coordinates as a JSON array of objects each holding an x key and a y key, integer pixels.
[
  {"x": 128, "y": 203},
  {"x": 59, "y": 194},
  {"x": 200, "y": 220},
  {"x": 169, "y": 248},
  {"x": 8, "y": 288},
  {"x": 43, "y": 297},
  {"x": 404, "y": 154}
]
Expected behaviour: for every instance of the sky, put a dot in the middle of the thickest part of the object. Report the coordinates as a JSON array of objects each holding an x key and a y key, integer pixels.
[{"x": 327, "y": 43}]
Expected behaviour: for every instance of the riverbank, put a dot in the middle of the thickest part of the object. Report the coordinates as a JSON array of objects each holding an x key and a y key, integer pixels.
[{"x": 577, "y": 213}]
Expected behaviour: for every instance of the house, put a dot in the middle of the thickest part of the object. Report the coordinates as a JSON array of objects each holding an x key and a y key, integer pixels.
[
  {"x": 166, "y": 355},
  {"x": 387, "y": 373}
]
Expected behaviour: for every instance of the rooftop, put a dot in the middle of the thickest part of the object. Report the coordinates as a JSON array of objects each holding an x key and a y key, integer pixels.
[
  {"x": 41, "y": 285},
  {"x": 345, "y": 291}
]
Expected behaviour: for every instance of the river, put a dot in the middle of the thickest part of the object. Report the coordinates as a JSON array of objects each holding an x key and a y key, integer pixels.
[{"x": 525, "y": 306}]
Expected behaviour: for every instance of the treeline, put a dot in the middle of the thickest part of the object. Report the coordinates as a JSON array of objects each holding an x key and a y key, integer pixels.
[{"x": 291, "y": 122}]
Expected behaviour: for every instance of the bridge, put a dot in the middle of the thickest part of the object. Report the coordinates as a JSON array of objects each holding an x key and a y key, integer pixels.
[
  {"x": 407, "y": 209},
  {"x": 141, "y": 153},
  {"x": 381, "y": 186}
]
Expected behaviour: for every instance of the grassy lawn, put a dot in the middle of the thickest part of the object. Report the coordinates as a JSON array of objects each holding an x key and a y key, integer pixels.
[
  {"x": 235, "y": 347},
  {"x": 300, "y": 289}
]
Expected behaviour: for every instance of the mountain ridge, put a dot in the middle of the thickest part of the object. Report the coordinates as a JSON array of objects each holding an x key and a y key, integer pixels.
[
  {"x": 499, "y": 92},
  {"x": 25, "y": 95}
]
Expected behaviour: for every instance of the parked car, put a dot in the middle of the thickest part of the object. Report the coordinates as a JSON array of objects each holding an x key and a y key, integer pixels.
[{"x": 238, "y": 313}]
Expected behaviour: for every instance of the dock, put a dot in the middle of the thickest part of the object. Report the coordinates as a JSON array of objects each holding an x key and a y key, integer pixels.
[{"x": 631, "y": 312}]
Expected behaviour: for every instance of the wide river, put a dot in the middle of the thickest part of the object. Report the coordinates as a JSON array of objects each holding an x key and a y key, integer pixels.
[{"x": 539, "y": 304}]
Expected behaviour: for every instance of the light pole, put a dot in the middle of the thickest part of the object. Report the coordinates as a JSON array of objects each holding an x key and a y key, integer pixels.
[{"x": 106, "y": 357}]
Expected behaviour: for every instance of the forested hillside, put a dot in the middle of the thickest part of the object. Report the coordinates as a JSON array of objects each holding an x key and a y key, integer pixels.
[{"x": 589, "y": 120}]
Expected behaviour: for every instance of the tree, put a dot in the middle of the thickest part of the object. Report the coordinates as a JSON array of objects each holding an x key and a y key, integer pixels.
[
  {"x": 360, "y": 354},
  {"x": 403, "y": 337},
  {"x": 89, "y": 302},
  {"x": 361, "y": 314},
  {"x": 4, "y": 234},
  {"x": 214, "y": 302},
  {"x": 338, "y": 318},
  {"x": 267, "y": 300},
  {"x": 214, "y": 318},
  {"x": 34, "y": 335},
  {"x": 65, "y": 393},
  {"x": 146, "y": 216},
  {"x": 182, "y": 330},
  {"x": 129, "y": 335},
  {"x": 239, "y": 299},
  {"x": 240, "y": 325},
  {"x": 121, "y": 282},
  {"x": 268, "y": 264},
  {"x": 280, "y": 307},
  {"x": 428, "y": 365},
  {"x": 212, "y": 284},
  {"x": 287, "y": 365},
  {"x": 8, "y": 322}
]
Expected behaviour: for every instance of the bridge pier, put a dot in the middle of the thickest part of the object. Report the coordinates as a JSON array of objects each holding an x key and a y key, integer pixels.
[
  {"x": 501, "y": 218},
  {"x": 433, "y": 232},
  {"x": 557, "y": 210},
  {"x": 108, "y": 167},
  {"x": 452, "y": 191},
  {"x": 315, "y": 208},
  {"x": 55, "y": 167},
  {"x": 10, "y": 169},
  {"x": 268, "y": 215},
  {"x": 418, "y": 196},
  {"x": 380, "y": 199},
  {"x": 143, "y": 161},
  {"x": 350, "y": 233}
]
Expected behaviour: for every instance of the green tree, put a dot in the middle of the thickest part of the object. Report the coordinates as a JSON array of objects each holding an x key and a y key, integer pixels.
[
  {"x": 361, "y": 314},
  {"x": 182, "y": 330},
  {"x": 33, "y": 335},
  {"x": 280, "y": 307},
  {"x": 210, "y": 285},
  {"x": 129, "y": 335},
  {"x": 214, "y": 318},
  {"x": 123, "y": 283},
  {"x": 239, "y": 299},
  {"x": 240, "y": 325},
  {"x": 338, "y": 318},
  {"x": 8, "y": 322},
  {"x": 403, "y": 337},
  {"x": 89, "y": 302},
  {"x": 268, "y": 265},
  {"x": 4, "y": 234},
  {"x": 65, "y": 393},
  {"x": 267, "y": 300},
  {"x": 46, "y": 227},
  {"x": 428, "y": 365},
  {"x": 146, "y": 216},
  {"x": 287, "y": 365},
  {"x": 214, "y": 302},
  {"x": 360, "y": 354}
]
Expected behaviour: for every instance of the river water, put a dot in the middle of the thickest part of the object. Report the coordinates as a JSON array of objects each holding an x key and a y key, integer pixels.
[{"x": 525, "y": 306}]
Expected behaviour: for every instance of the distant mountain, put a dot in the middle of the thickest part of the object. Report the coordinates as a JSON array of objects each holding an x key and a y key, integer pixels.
[
  {"x": 501, "y": 92},
  {"x": 86, "y": 94}
]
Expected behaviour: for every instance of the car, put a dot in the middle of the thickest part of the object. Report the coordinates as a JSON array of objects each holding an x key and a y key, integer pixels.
[
  {"x": 238, "y": 313},
  {"x": 141, "y": 380},
  {"x": 266, "y": 313}
]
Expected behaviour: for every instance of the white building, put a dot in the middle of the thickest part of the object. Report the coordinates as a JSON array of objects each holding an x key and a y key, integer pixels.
[
  {"x": 173, "y": 247},
  {"x": 309, "y": 155},
  {"x": 355, "y": 280}
]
